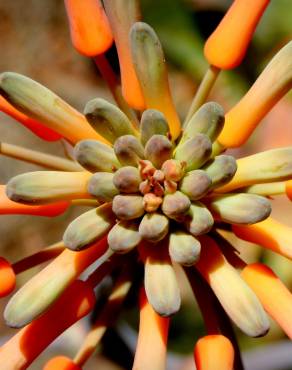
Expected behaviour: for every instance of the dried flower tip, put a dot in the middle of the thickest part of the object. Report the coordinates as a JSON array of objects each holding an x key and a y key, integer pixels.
[
  {"x": 221, "y": 170},
  {"x": 158, "y": 176},
  {"x": 127, "y": 179},
  {"x": 129, "y": 150},
  {"x": 89, "y": 228},
  {"x": 240, "y": 208},
  {"x": 145, "y": 187},
  {"x": 151, "y": 202},
  {"x": 47, "y": 186},
  {"x": 208, "y": 120},
  {"x": 160, "y": 282},
  {"x": 152, "y": 123},
  {"x": 170, "y": 187},
  {"x": 242, "y": 119},
  {"x": 146, "y": 169},
  {"x": 184, "y": 248},
  {"x": 158, "y": 149},
  {"x": 268, "y": 166},
  {"x": 237, "y": 299},
  {"x": 150, "y": 66},
  {"x": 128, "y": 207},
  {"x": 96, "y": 156},
  {"x": 227, "y": 45},
  {"x": 199, "y": 219},
  {"x": 107, "y": 119},
  {"x": 214, "y": 352},
  {"x": 153, "y": 227},
  {"x": 124, "y": 236},
  {"x": 175, "y": 205},
  {"x": 195, "y": 152},
  {"x": 7, "y": 278},
  {"x": 173, "y": 169},
  {"x": 61, "y": 363},
  {"x": 195, "y": 184},
  {"x": 102, "y": 187},
  {"x": 89, "y": 28},
  {"x": 40, "y": 103}
]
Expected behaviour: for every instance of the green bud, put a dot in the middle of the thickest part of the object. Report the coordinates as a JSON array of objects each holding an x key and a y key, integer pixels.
[
  {"x": 129, "y": 150},
  {"x": 89, "y": 227},
  {"x": 107, "y": 119},
  {"x": 195, "y": 184},
  {"x": 173, "y": 169},
  {"x": 221, "y": 170},
  {"x": 102, "y": 187},
  {"x": 240, "y": 208},
  {"x": 208, "y": 120},
  {"x": 48, "y": 186},
  {"x": 195, "y": 152},
  {"x": 160, "y": 282},
  {"x": 124, "y": 236},
  {"x": 128, "y": 207},
  {"x": 158, "y": 149},
  {"x": 96, "y": 156},
  {"x": 127, "y": 179},
  {"x": 152, "y": 123},
  {"x": 184, "y": 248},
  {"x": 199, "y": 220},
  {"x": 153, "y": 227},
  {"x": 175, "y": 205}
]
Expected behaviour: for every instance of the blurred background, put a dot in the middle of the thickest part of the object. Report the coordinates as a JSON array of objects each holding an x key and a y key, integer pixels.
[{"x": 34, "y": 40}]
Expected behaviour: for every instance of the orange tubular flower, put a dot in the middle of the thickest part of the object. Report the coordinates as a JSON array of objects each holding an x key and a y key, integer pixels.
[
  {"x": 269, "y": 233},
  {"x": 89, "y": 28},
  {"x": 289, "y": 189},
  {"x": 61, "y": 363},
  {"x": 152, "y": 339},
  {"x": 267, "y": 286},
  {"x": 214, "y": 352},
  {"x": 7, "y": 278},
  {"x": 227, "y": 45},
  {"x": 76, "y": 302},
  {"x": 8, "y": 207},
  {"x": 36, "y": 127}
]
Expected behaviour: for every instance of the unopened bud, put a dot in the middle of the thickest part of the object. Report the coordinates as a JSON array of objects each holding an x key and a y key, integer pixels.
[
  {"x": 173, "y": 169},
  {"x": 153, "y": 227},
  {"x": 158, "y": 149},
  {"x": 175, "y": 205},
  {"x": 195, "y": 184},
  {"x": 101, "y": 186},
  {"x": 152, "y": 123},
  {"x": 127, "y": 179},
  {"x": 221, "y": 170},
  {"x": 129, "y": 150},
  {"x": 184, "y": 248},
  {"x": 199, "y": 220},
  {"x": 151, "y": 202},
  {"x": 128, "y": 207},
  {"x": 124, "y": 236}
]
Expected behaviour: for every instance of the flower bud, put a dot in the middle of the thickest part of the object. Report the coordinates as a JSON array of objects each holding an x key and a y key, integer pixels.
[
  {"x": 128, "y": 207},
  {"x": 96, "y": 156},
  {"x": 173, "y": 169},
  {"x": 129, "y": 150},
  {"x": 7, "y": 278},
  {"x": 152, "y": 123},
  {"x": 153, "y": 227},
  {"x": 107, "y": 119},
  {"x": 124, "y": 236},
  {"x": 101, "y": 186},
  {"x": 195, "y": 184},
  {"x": 195, "y": 152},
  {"x": 175, "y": 205},
  {"x": 61, "y": 363},
  {"x": 89, "y": 227},
  {"x": 158, "y": 149},
  {"x": 151, "y": 202},
  {"x": 127, "y": 179},
  {"x": 199, "y": 220},
  {"x": 208, "y": 120},
  {"x": 221, "y": 170},
  {"x": 184, "y": 248}
]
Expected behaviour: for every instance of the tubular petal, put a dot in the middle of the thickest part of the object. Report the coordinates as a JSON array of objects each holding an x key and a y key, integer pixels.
[
  {"x": 7, "y": 278},
  {"x": 227, "y": 45},
  {"x": 152, "y": 339},
  {"x": 89, "y": 27},
  {"x": 61, "y": 363},
  {"x": 36, "y": 127},
  {"x": 273, "y": 294},
  {"x": 20, "y": 351},
  {"x": 122, "y": 15},
  {"x": 272, "y": 84},
  {"x": 8, "y": 207},
  {"x": 214, "y": 352},
  {"x": 269, "y": 234}
]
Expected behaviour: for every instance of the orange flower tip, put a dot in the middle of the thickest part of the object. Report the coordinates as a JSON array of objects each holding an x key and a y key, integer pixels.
[
  {"x": 89, "y": 28},
  {"x": 289, "y": 189},
  {"x": 61, "y": 363},
  {"x": 214, "y": 352},
  {"x": 227, "y": 45},
  {"x": 7, "y": 278}
]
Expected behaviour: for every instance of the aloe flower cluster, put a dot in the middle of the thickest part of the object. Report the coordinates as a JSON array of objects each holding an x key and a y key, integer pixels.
[{"x": 161, "y": 193}]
